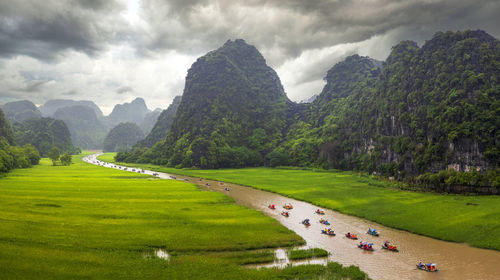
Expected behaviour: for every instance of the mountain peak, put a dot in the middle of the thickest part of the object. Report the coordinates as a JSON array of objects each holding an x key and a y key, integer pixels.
[{"x": 139, "y": 101}]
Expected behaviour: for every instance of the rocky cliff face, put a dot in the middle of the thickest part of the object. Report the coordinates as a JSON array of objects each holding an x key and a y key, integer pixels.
[
  {"x": 431, "y": 108},
  {"x": 232, "y": 103},
  {"x": 162, "y": 125}
]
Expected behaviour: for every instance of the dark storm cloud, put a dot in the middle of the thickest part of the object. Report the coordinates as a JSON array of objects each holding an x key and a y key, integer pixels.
[
  {"x": 42, "y": 29},
  {"x": 70, "y": 93},
  {"x": 32, "y": 86},
  {"x": 284, "y": 29},
  {"x": 124, "y": 89}
]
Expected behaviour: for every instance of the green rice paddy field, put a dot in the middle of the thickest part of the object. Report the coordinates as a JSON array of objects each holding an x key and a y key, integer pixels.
[
  {"x": 88, "y": 222},
  {"x": 471, "y": 219}
]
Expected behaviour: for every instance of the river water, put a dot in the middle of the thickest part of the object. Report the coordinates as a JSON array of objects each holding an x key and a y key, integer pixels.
[{"x": 454, "y": 260}]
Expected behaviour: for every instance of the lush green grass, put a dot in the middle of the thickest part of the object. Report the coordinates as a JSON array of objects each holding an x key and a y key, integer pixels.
[
  {"x": 300, "y": 254},
  {"x": 471, "y": 219},
  {"x": 83, "y": 221}
]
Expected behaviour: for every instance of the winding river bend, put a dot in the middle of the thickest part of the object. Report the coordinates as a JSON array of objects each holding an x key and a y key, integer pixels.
[{"x": 455, "y": 260}]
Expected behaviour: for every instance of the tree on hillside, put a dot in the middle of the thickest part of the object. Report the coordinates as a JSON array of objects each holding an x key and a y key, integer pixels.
[
  {"x": 66, "y": 159},
  {"x": 54, "y": 155},
  {"x": 32, "y": 154}
]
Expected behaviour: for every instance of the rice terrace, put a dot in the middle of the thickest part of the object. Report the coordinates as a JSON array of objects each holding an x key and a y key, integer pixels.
[{"x": 162, "y": 139}]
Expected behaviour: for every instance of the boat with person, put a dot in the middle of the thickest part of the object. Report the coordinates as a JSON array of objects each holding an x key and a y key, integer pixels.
[
  {"x": 306, "y": 222},
  {"x": 288, "y": 206},
  {"x": 285, "y": 213},
  {"x": 372, "y": 231},
  {"x": 323, "y": 221},
  {"x": 429, "y": 267},
  {"x": 389, "y": 247},
  {"x": 328, "y": 231},
  {"x": 366, "y": 246},
  {"x": 320, "y": 212},
  {"x": 351, "y": 236}
]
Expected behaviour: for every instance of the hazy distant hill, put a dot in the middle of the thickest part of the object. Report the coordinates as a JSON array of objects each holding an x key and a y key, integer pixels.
[
  {"x": 19, "y": 111},
  {"x": 162, "y": 125},
  {"x": 122, "y": 136},
  {"x": 134, "y": 111},
  {"x": 51, "y": 106},
  {"x": 149, "y": 121},
  {"x": 87, "y": 130}
]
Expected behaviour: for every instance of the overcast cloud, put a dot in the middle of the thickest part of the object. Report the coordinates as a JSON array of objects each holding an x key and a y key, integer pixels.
[{"x": 113, "y": 51}]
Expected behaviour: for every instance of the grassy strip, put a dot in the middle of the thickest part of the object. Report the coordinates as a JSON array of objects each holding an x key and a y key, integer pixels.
[
  {"x": 84, "y": 221},
  {"x": 300, "y": 254},
  {"x": 471, "y": 219}
]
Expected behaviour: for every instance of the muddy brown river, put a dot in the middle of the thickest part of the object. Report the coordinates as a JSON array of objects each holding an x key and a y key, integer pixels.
[{"x": 454, "y": 260}]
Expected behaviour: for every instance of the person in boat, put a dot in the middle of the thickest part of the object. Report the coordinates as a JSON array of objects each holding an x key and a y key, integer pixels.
[
  {"x": 420, "y": 264},
  {"x": 386, "y": 244},
  {"x": 348, "y": 234}
]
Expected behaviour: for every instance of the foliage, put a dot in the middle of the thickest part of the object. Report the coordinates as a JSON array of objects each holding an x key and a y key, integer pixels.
[
  {"x": 122, "y": 136},
  {"x": 43, "y": 134},
  {"x": 454, "y": 178},
  {"x": 54, "y": 155},
  {"x": 65, "y": 159},
  {"x": 11, "y": 156},
  {"x": 300, "y": 254},
  {"x": 5, "y": 129}
]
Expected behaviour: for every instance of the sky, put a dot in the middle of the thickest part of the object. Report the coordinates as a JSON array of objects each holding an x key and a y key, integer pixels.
[{"x": 111, "y": 52}]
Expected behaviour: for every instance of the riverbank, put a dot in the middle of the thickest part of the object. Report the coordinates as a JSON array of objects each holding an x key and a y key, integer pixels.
[
  {"x": 474, "y": 220},
  {"x": 85, "y": 221}
]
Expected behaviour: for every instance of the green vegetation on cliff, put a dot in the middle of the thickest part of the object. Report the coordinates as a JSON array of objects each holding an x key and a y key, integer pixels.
[
  {"x": 232, "y": 112},
  {"x": 44, "y": 133},
  {"x": 11, "y": 156},
  {"x": 424, "y": 110},
  {"x": 427, "y": 109}
]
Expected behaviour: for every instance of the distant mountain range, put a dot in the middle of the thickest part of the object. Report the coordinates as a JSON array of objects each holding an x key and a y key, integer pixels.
[{"x": 84, "y": 119}]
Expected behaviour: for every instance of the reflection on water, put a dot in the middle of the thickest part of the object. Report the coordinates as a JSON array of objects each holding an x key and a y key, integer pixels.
[
  {"x": 454, "y": 260},
  {"x": 162, "y": 254}
]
